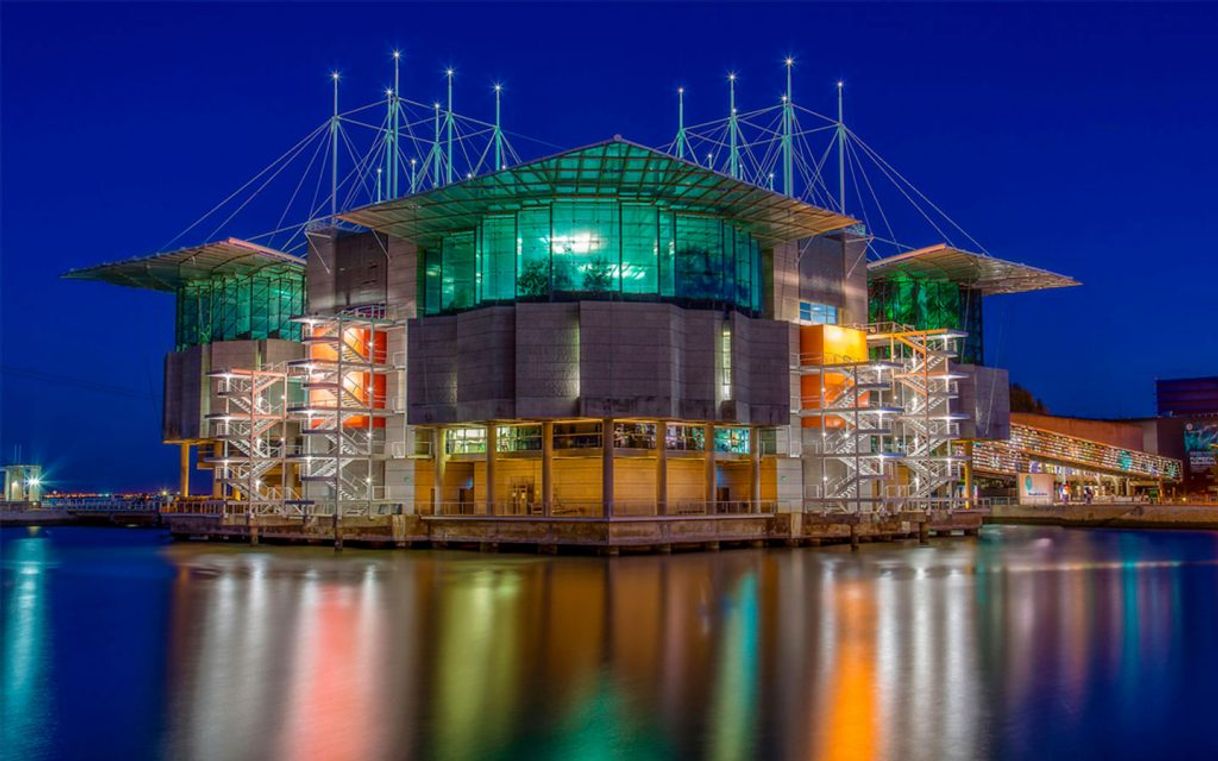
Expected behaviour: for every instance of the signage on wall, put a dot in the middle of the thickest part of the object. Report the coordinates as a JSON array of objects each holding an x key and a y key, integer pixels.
[{"x": 1035, "y": 488}]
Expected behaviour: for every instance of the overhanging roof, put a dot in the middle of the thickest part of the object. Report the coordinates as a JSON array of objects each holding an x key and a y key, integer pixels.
[
  {"x": 165, "y": 272},
  {"x": 982, "y": 273},
  {"x": 613, "y": 169}
]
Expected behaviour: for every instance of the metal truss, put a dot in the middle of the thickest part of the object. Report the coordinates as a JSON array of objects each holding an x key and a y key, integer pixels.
[
  {"x": 346, "y": 412},
  {"x": 255, "y": 436}
]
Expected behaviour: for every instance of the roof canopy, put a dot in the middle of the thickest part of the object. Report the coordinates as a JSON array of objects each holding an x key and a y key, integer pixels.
[
  {"x": 165, "y": 272},
  {"x": 977, "y": 271},
  {"x": 613, "y": 169}
]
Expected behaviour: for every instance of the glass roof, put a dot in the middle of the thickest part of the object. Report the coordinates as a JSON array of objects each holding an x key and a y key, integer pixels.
[
  {"x": 986, "y": 274},
  {"x": 616, "y": 169},
  {"x": 166, "y": 272}
]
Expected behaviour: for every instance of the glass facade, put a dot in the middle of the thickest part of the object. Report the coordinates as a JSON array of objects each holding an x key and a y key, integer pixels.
[
  {"x": 246, "y": 307},
  {"x": 930, "y": 304},
  {"x": 593, "y": 249},
  {"x": 732, "y": 440}
]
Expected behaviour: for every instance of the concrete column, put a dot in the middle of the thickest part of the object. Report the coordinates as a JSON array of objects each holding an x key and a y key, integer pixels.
[
  {"x": 755, "y": 469},
  {"x": 184, "y": 469},
  {"x": 547, "y": 468},
  {"x": 492, "y": 440},
  {"x": 607, "y": 466},
  {"x": 968, "y": 475},
  {"x": 440, "y": 459},
  {"x": 661, "y": 467},
  {"x": 708, "y": 439},
  {"x": 217, "y": 488}
]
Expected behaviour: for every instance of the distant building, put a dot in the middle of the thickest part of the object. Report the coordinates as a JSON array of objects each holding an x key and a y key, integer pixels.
[
  {"x": 22, "y": 483},
  {"x": 1187, "y": 429}
]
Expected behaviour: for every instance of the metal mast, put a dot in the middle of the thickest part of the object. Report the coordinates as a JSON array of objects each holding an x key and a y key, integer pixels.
[
  {"x": 841, "y": 153},
  {"x": 448, "y": 123},
  {"x": 788, "y": 123},
  {"x": 682, "y": 140},
  {"x": 498, "y": 131},
  {"x": 435, "y": 147},
  {"x": 390, "y": 143},
  {"x": 732, "y": 129},
  {"x": 334, "y": 152},
  {"x": 395, "y": 99}
]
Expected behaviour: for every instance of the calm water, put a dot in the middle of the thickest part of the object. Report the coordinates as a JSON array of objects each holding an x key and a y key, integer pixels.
[{"x": 1025, "y": 643}]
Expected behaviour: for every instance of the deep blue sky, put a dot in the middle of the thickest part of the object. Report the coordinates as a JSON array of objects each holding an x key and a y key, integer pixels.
[{"x": 1081, "y": 138}]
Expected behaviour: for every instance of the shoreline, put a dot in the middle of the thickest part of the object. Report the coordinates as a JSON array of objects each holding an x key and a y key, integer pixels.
[{"x": 1201, "y": 516}]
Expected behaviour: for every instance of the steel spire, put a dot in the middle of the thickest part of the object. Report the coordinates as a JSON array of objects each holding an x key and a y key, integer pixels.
[
  {"x": 448, "y": 123},
  {"x": 334, "y": 152},
  {"x": 732, "y": 129},
  {"x": 841, "y": 153},
  {"x": 498, "y": 130},
  {"x": 788, "y": 126},
  {"x": 682, "y": 140}
]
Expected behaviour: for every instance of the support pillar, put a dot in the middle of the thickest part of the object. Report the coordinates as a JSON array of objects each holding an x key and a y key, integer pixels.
[
  {"x": 607, "y": 466},
  {"x": 661, "y": 467},
  {"x": 217, "y": 486},
  {"x": 968, "y": 475},
  {"x": 547, "y": 468},
  {"x": 708, "y": 441},
  {"x": 755, "y": 469},
  {"x": 184, "y": 469},
  {"x": 492, "y": 446},
  {"x": 440, "y": 459}
]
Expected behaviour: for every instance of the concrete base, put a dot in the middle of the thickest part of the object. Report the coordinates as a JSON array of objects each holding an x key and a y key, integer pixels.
[
  {"x": 1197, "y": 516},
  {"x": 549, "y": 535}
]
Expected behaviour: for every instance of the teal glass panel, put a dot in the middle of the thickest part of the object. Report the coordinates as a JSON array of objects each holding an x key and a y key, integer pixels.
[
  {"x": 497, "y": 258},
  {"x": 667, "y": 251},
  {"x": 533, "y": 253},
  {"x": 699, "y": 256},
  {"x": 744, "y": 267},
  {"x": 586, "y": 247},
  {"x": 639, "y": 249},
  {"x": 757, "y": 298},
  {"x": 432, "y": 274},
  {"x": 457, "y": 287},
  {"x": 732, "y": 440},
  {"x": 239, "y": 308}
]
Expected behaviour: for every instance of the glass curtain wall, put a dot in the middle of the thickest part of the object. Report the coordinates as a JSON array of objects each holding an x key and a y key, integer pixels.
[
  {"x": 232, "y": 308},
  {"x": 930, "y": 304},
  {"x": 593, "y": 249}
]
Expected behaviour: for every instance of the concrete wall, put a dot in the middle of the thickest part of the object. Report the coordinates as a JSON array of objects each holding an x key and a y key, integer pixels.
[
  {"x": 828, "y": 269},
  {"x": 985, "y": 396},
  {"x": 595, "y": 359},
  {"x": 188, "y": 395},
  {"x": 353, "y": 269}
]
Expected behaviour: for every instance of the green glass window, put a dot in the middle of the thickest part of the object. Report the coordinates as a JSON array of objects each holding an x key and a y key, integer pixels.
[
  {"x": 640, "y": 227},
  {"x": 732, "y": 440},
  {"x": 533, "y": 253},
  {"x": 668, "y": 252},
  {"x": 685, "y": 438},
  {"x": 432, "y": 271},
  {"x": 457, "y": 271},
  {"x": 585, "y": 247},
  {"x": 518, "y": 438},
  {"x": 470, "y": 440},
  {"x": 249, "y": 307},
  {"x": 699, "y": 258},
  {"x": 497, "y": 259}
]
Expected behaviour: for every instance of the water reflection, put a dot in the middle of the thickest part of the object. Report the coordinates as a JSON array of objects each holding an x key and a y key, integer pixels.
[{"x": 1025, "y": 643}]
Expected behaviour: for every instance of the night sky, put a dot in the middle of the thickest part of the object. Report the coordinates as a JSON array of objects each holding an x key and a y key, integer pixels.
[{"x": 1079, "y": 138}]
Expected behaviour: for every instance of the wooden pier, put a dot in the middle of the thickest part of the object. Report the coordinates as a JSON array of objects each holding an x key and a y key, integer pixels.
[{"x": 576, "y": 534}]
